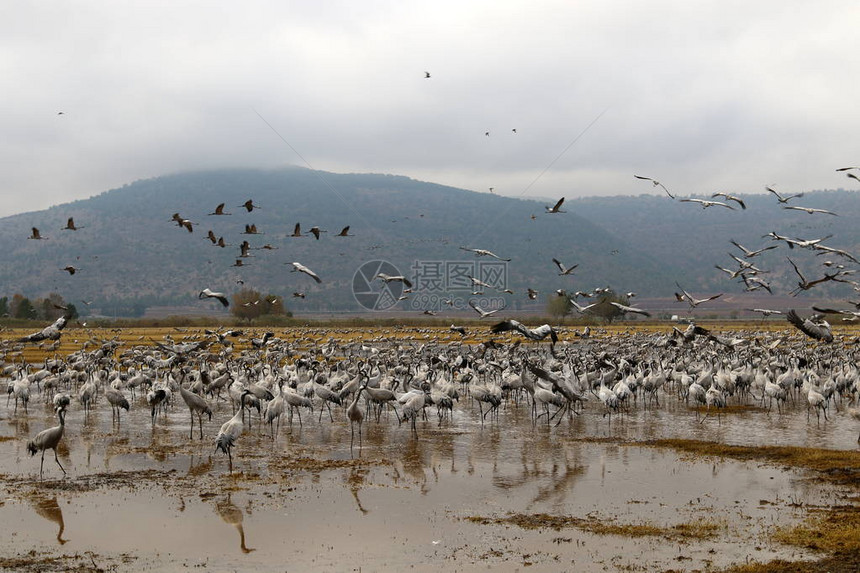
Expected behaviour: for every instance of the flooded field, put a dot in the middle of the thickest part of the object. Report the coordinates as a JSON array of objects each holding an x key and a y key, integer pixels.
[{"x": 651, "y": 488}]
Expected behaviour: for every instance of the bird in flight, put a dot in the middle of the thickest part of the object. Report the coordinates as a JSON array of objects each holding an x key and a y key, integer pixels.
[
  {"x": 344, "y": 232},
  {"x": 765, "y": 312},
  {"x": 809, "y": 210},
  {"x": 804, "y": 284},
  {"x": 219, "y": 296},
  {"x": 427, "y": 75},
  {"x": 35, "y": 234},
  {"x": 182, "y": 222},
  {"x": 298, "y": 267},
  {"x": 748, "y": 254},
  {"x": 656, "y": 184},
  {"x": 70, "y": 269},
  {"x": 298, "y": 294},
  {"x": 728, "y": 197},
  {"x": 538, "y": 333},
  {"x": 481, "y": 311},
  {"x": 815, "y": 326},
  {"x": 70, "y": 225},
  {"x": 50, "y": 332},
  {"x": 532, "y": 293},
  {"x": 693, "y": 302},
  {"x": 392, "y": 278},
  {"x": 297, "y": 231},
  {"x": 563, "y": 270},
  {"x": 783, "y": 198},
  {"x": 484, "y": 253},
  {"x": 556, "y": 208},
  {"x": 251, "y": 230},
  {"x": 249, "y": 205},
  {"x": 625, "y": 309},
  {"x": 219, "y": 210},
  {"x": 705, "y": 203},
  {"x": 315, "y": 231}
]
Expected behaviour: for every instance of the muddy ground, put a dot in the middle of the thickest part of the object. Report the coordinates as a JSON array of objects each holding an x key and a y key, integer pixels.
[{"x": 655, "y": 490}]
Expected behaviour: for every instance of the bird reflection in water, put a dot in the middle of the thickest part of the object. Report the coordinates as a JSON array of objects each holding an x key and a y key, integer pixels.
[
  {"x": 356, "y": 480},
  {"x": 49, "y": 508},
  {"x": 230, "y": 513}
]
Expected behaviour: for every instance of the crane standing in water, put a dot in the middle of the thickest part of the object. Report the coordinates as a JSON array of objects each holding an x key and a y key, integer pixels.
[{"x": 48, "y": 439}]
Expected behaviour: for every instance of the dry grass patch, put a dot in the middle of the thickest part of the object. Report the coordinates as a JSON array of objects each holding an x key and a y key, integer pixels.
[{"x": 603, "y": 526}]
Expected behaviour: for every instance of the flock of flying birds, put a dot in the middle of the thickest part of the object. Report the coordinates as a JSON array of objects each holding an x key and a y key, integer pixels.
[
  {"x": 744, "y": 268},
  {"x": 747, "y": 272}
]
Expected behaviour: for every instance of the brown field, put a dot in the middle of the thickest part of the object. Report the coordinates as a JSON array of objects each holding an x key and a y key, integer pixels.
[{"x": 651, "y": 490}]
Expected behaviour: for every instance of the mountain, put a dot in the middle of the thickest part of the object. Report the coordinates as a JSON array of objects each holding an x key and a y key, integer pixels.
[{"x": 131, "y": 254}]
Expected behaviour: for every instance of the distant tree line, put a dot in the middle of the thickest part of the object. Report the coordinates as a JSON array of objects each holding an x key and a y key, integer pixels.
[
  {"x": 559, "y": 306},
  {"x": 49, "y": 308},
  {"x": 249, "y": 304}
]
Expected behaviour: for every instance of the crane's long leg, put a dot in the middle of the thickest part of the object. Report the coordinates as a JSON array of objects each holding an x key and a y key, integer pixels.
[
  {"x": 42, "y": 464},
  {"x": 57, "y": 460}
]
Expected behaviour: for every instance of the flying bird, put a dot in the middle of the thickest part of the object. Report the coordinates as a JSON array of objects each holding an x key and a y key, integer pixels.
[
  {"x": 532, "y": 293},
  {"x": 783, "y": 198},
  {"x": 538, "y": 333},
  {"x": 748, "y": 254},
  {"x": 484, "y": 253},
  {"x": 249, "y": 205},
  {"x": 344, "y": 232},
  {"x": 563, "y": 270},
  {"x": 245, "y": 249},
  {"x": 220, "y": 296},
  {"x": 182, "y": 222},
  {"x": 51, "y": 332},
  {"x": 70, "y": 225},
  {"x": 852, "y": 176},
  {"x": 815, "y": 326},
  {"x": 298, "y": 267},
  {"x": 729, "y": 197},
  {"x": 705, "y": 203},
  {"x": 36, "y": 235},
  {"x": 765, "y": 312},
  {"x": 804, "y": 284},
  {"x": 219, "y": 210},
  {"x": 297, "y": 232},
  {"x": 427, "y": 75},
  {"x": 656, "y": 184},
  {"x": 625, "y": 309},
  {"x": 70, "y": 269},
  {"x": 809, "y": 210},
  {"x": 693, "y": 302},
  {"x": 392, "y": 278},
  {"x": 251, "y": 230},
  {"x": 556, "y": 208},
  {"x": 461, "y": 330},
  {"x": 481, "y": 311},
  {"x": 315, "y": 231},
  {"x": 298, "y": 295}
]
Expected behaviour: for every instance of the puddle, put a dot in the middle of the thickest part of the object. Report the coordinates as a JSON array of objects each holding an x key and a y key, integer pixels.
[{"x": 143, "y": 497}]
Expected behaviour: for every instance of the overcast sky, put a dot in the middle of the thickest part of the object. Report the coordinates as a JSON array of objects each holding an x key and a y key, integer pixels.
[{"x": 704, "y": 96}]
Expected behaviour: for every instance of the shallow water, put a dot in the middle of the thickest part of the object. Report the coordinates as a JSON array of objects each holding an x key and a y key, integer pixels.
[{"x": 141, "y": 496}]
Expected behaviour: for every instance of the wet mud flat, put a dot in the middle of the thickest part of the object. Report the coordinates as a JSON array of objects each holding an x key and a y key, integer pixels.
[{"x": 654, "y": 491}]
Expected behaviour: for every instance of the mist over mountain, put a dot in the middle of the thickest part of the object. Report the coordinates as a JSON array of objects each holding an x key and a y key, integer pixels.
[{"x": 130, "y": 254}]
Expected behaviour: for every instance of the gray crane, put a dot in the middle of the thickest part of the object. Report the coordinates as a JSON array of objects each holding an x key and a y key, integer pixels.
[{"x": 47, "y": 440}]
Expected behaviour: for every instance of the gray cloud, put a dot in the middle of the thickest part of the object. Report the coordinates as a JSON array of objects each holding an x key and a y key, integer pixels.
[{"x": 705, "y": 96}]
